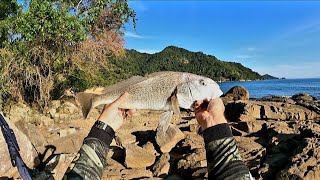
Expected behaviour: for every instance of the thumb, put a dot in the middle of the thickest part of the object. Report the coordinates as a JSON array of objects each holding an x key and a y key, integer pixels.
[{"x": 122, "y": 99}]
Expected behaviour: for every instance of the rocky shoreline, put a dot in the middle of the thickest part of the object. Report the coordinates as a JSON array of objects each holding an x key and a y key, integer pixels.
[{"x": 278, "y": 137}]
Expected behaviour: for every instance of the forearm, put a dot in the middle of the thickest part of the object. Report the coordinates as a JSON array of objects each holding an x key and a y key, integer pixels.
[
  {"x": 224, "y": 160},
  {"x": 93, "y": 154}
]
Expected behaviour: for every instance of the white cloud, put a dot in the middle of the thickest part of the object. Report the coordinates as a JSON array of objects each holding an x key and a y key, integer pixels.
[
  {"x": 149, "y": 51},
  {"x": 251, "y": 49},
  {"x": 133, "y": 35},
  {"x": 307, "y": 70}
]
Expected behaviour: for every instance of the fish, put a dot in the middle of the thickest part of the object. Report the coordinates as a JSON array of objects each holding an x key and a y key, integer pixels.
[{"x": 165, "y": 91}]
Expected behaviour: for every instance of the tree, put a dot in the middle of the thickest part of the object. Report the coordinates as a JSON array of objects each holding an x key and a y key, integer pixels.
[{"x": 50, "y": 43}]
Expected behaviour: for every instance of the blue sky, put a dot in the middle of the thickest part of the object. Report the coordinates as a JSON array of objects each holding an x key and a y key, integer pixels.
[{"x": 278, "y": 38}]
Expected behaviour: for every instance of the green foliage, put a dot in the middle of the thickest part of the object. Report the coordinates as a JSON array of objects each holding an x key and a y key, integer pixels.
[
  {"x": 179, "y": 59},
  {"x": 54, "y": 44}
]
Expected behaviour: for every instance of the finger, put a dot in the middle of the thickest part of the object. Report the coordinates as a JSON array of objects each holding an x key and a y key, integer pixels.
[
  {"x": 197, "y": 104},
  {"x": 131, "y": 112},
  {"x": 122, "y": 99}
]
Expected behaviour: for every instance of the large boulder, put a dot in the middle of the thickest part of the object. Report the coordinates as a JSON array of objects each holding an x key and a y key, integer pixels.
[
  {"x": 27, "y": 152},
  {"x": 237, "y": 93},
  {"x": 303, "y": 97},
  {"x": 167, "y": 140}
]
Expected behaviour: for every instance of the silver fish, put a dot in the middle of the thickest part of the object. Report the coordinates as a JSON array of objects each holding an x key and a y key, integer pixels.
[{"x": 165, "y": 91}]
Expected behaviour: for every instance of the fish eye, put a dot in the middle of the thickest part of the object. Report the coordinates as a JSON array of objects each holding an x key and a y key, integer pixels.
[{"x": 202, "y": 82}]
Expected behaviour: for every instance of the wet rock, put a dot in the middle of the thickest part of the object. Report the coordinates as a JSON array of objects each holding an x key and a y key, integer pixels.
[
  {"x": 237, "y": 93},
  {"x": 27, "y": 152},
  {"x": 303, "y": 97},
  {"x": 278, "y": 99},
  {"x": 137, "y": 157},
  {"x": 166, "y": 141},
  {"x": 162, "y": 166}
]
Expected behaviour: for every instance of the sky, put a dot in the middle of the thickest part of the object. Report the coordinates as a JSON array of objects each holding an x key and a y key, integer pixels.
[{"x": 270, "y": 37}]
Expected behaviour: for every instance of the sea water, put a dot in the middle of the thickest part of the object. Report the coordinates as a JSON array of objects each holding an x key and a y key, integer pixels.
[{"x": 277, "y": 87}]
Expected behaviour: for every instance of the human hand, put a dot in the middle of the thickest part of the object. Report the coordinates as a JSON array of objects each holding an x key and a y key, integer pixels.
[
  {"x": 210, "y": 113},
  {"x": 112, "y": 115}
]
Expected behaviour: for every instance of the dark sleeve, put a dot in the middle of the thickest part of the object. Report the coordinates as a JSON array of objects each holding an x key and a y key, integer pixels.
[
  {"x": 93, "y": 154},
  {"x": 224, "y": 160}
]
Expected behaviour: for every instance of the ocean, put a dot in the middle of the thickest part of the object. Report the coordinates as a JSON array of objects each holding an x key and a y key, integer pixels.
[{"x": 277, "y": 87}]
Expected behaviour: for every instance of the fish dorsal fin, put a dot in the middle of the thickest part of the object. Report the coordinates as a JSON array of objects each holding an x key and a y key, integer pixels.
[{"x": 125, "y": 83}]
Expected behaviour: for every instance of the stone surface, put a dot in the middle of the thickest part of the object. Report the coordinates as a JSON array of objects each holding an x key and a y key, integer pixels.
[
  {"x": 59, "y": 164},
  {"x": 303, "y": 97},
  {"x": 137, "y": 157},
  {"x": 135, "y": 173},
  {"x": 166, "y": 141},
  {"x": 27, "y": 152},
  {"x": 237, "y": 93},
  {"x": 32, "y": 132},
  {"x": 162, "y": 166}
]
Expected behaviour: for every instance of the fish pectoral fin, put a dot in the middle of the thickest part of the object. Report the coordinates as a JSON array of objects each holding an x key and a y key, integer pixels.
[
  {"x": 175, "y": 106},
  {"x": 165, "y": 119}
]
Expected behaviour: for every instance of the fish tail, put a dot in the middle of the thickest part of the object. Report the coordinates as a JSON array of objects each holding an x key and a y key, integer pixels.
[{"x": 86, "y": 102}]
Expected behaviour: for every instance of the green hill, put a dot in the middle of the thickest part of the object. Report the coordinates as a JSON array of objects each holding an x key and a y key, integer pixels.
[
  {"x": 178, "y": 59},
  {"x": 268, "y": 76}
]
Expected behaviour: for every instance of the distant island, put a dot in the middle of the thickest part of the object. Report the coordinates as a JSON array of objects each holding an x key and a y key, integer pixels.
[
  {"x": 173, "y": 58},
  {"x": 267, "y": 76}
]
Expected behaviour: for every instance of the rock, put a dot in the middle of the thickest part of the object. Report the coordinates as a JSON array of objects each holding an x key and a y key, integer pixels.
[
  {"x": 67, "y": 131},
  {"x": 137, "y": 157},
  {"x": 278, "y": 99},
  {"x": 24, "y": 113},
  {"x": 162, "y": 166},
  {"x": 116, "y": 153},
  {"x": 305, "y": 164},
  {"x": 64, "y": 110},
  {"x": 192, "y": 141},
  {"x": 174, "y": 177},
  {"x": 250, "y": 112},
  {"x": 251, "y": 151},
  {"x": 125, "y": 137},
  {"x": 136, "y": 173},
  {"x": 150, "y": 148},
  {"x": 237, "y": 93},
  {"x": 27, "y": 152},
  {"x": 250, "y": 126},
  {"x": 233, "y": 110},
  {"x": 166, "y": 141},
  {"x": 194, "y": 160},
  {"x": 31, "y": 131},
  {"x": 303, "y": 97},
  {"x": 295, "y": 112},
  {"x": 272, "y": 164},
  {"x": 69, "y": 144},
  {"x": 59, "y": 164}
]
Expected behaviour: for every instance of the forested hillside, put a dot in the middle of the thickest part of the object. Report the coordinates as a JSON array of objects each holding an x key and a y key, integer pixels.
[{"x": 178, "y": 59}]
